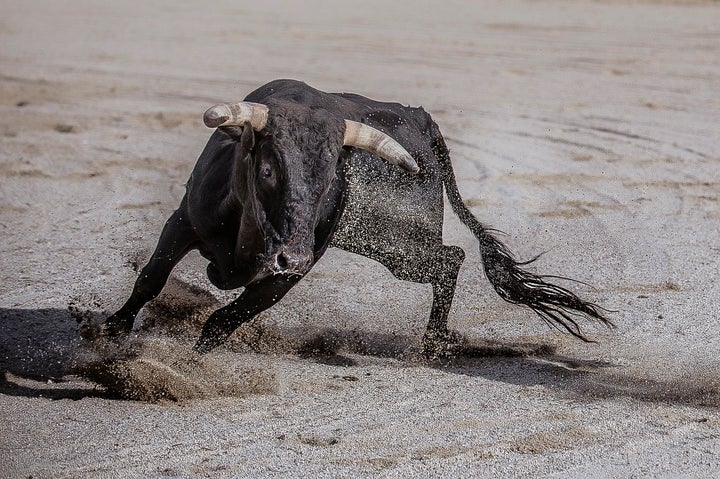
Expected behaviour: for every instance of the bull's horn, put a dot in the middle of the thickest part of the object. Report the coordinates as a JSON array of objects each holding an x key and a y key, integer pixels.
[
  {"x": 368, "y": 138},
  {"x": 236, "y": 114}
]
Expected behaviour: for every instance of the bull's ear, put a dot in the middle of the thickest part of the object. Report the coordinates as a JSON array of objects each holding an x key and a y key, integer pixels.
[{"x": 243, "y": 135}]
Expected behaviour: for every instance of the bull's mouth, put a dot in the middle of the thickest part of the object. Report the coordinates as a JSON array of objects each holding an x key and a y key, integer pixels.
[
  {"x": 288, "y": 273},
  {"x": 269, "y": 272}
]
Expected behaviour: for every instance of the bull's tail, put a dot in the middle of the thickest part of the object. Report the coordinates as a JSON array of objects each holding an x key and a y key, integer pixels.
[{"x": 557, "y": 306}]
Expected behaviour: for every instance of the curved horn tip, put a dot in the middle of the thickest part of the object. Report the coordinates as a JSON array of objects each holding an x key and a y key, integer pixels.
[
  {"x": 363, "y": 136},
  {"x": 213, "y": 117},
  {"x": 409, "y": 165}
]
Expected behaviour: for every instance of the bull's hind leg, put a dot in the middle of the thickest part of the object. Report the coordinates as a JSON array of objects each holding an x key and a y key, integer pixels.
[
  {"x": 256, "y": 297},
  {"x": 437, "y": 336},
  {"x": 176, "y": 240},
  {"x": 438, "y": 265}
]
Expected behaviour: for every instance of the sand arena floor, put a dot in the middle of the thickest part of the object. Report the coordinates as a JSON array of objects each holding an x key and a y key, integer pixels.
[{"x": 588, "y": 130}]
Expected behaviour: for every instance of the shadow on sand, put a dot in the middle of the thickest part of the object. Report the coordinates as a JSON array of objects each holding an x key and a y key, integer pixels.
[
  {"x": 37, "y": 351},
  {"x": 39, "y": 347}
]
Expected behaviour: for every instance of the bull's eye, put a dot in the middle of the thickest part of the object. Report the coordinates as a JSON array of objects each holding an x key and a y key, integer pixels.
[{"x": 266, "y": 172}]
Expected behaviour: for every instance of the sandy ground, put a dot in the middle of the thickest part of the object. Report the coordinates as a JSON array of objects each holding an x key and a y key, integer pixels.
[{"x": 587, "y": 130}]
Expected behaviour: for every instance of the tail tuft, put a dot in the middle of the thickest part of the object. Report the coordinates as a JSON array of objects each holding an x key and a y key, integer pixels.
[{"x": 557, "y": 306}]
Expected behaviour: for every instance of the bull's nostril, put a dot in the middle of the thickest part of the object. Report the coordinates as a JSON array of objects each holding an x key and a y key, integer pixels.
[{"x": 281, "y": 261}]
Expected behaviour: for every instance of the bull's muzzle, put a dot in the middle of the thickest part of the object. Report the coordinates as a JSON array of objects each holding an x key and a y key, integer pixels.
[{"x": 291, "y": 263}]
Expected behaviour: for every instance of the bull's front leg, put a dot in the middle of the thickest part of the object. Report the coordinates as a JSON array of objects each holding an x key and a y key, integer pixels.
[
  {"x": 176, "y": 240},
  {"x": 256, "y": 298}
]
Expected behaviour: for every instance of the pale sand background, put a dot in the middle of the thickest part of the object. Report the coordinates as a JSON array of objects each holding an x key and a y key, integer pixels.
[{"x": 588, "y": 130}]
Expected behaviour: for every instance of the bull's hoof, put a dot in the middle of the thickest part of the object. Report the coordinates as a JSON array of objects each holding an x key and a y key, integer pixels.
[
  {"x": 441, "y": 345},
  {"x": 210, "y": 338},
  {"x": 116, "y": 325},
  {"x": 203, "y": 346}
]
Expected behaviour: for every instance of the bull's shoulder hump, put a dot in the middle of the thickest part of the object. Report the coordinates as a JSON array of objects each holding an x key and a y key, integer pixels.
[
  {"x": 292, "y": 91},
  {"x": 351, "y": 106},
  {"x": 277, "y": 87}
]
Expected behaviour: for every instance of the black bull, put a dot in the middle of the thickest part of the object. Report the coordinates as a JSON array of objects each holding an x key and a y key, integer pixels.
[{"x": 269, "y": 195}]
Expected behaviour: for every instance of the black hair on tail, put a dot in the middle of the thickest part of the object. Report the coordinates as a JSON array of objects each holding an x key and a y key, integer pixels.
[{"x": 557, "y": 306}]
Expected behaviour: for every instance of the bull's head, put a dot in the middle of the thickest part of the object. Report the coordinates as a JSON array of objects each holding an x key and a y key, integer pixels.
[{"x": 285, "y": 166}]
